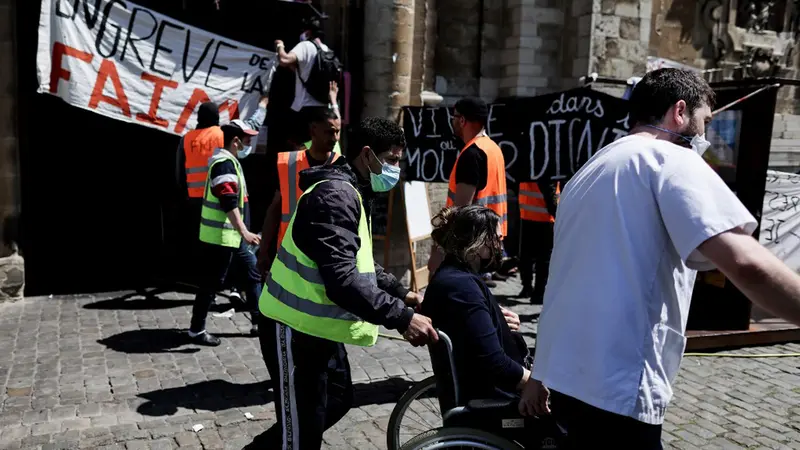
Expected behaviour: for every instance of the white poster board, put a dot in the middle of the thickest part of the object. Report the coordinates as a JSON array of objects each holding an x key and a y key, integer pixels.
[
  {"x": 418, "y": 212},
  {"x": 133, "y": 64},
  {"x": 780, "y": 220}
]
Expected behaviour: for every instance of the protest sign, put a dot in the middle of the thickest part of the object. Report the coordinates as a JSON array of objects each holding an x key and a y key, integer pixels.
[
  {"x": 545, "y": 136},
  {"x": 780, "y": 219},
  {"x": 133, "y": 64}
]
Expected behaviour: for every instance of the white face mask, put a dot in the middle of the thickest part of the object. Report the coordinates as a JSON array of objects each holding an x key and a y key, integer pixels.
[
  {"x": 698, "y": 142},
  {"x": 244, "y": 152}
]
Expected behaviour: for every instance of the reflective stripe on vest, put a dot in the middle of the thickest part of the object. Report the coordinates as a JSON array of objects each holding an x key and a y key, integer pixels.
[
  {"x": 295, "y": 293},
  {"x": 532, "y": 206},
  {"x": 215, "y": 227},
  {"x": 494, "y": 194},
  {"x": 290, "y": 164},
  {"x": 198, "y": 146}
]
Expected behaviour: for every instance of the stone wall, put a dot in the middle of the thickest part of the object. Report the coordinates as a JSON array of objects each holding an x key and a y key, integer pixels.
[
  {"x": 9, "y": 152},
  {"x": 785, "y": 148}
]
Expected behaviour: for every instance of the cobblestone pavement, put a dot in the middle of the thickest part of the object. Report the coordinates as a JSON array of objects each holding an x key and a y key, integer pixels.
[{"x": 110, "y": 372}]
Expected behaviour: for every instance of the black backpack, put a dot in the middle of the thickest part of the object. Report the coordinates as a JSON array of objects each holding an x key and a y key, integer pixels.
[{"x": 326, "y": 68}]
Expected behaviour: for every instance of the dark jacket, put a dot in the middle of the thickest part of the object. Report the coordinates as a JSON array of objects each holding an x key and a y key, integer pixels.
[
  {"x": 326, "y": 230},
  {"x": 548, "y": 189},
  {"x": 489, "y": 357}
]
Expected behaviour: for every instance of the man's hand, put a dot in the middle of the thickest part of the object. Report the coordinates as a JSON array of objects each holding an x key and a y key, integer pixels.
[
  {"x": 413, "y": 300},
  {"x": 512, "y": 319},
  {"x": 278, "y": 44},
  {"x": 264, "y": 101},
  {"x": 420, "y": 331},
  {"x": 251, "y": 238},
  {"x": 535, "y": 399},
  {"x": 333, "y": 92}
]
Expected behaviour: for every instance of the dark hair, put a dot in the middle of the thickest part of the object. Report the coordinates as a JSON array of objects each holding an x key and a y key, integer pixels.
[
  {"x": 314, "y": 26},
  {"x": 655, "y": 94},
  {"x": 229, "y": 132},
  {"x": 207, "y": 115},
  {"x": 473, "y": 109},
  {"x": 462, "y": 231},
  {"x": 378, "y": 133},
  {"x": 319, "y": 114}
]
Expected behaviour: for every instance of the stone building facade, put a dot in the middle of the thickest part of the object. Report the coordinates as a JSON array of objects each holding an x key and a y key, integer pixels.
[{"x": 441, "y": 50}]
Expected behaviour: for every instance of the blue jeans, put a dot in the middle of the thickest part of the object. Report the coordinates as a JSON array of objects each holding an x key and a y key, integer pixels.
[{"x": 217, "y": 262}]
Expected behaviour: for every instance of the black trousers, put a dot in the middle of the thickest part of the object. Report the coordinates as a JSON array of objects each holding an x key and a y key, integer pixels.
[
  {"x": 589, "y": 427},
  {"x": 311, "y": 383},
  {"x": 536, "y": 246},
  {"x": 217, "y": 263}
]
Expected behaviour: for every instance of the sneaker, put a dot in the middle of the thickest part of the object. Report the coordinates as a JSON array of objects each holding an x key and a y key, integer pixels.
[
  {"x": 499, "y": 277},
  {"x": 205, "y": 338}
]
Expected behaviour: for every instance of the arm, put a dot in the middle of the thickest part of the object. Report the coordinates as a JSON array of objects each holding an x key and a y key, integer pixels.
[
  {"x": 333, "y": 94},
  {"x": 272, "y": 221},
  {"x": 760, "y": 275},
  {"x": 548, "y": 189},
  {"x": 481, "y": 339},
  {"x": 468, "y": 175},
  {"x": 389, "y": 283},
  {"x": 257, "y": 118},
  {"x": 331, "y": 214},
  {"x": 180, "y": 168},
  {"x": 285, "y": 59}
]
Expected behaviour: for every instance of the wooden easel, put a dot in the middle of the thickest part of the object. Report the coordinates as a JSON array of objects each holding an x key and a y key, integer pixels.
[{"x": 419, "y": 276}]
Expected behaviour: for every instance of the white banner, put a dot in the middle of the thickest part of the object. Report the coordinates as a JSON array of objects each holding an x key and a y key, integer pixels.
[
  {"x": 780, "y": 220},
  {"x": 133, "y": 64}
]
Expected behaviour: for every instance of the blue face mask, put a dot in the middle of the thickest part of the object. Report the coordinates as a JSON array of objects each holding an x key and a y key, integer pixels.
[
  {"x": 244, "y": 152},
  {"x": 387, "y": 179}
]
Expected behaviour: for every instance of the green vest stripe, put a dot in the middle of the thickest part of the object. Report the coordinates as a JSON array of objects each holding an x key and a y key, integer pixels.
[
  {"x": 216, "y": 224},
  {"x": 309, "y": 307},
  {"x": 295, "y": 293},
  {"x": 309, "y": 274}
]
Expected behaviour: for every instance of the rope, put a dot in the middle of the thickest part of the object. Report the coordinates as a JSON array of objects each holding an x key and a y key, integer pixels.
[{"x": 742, "y": 355}]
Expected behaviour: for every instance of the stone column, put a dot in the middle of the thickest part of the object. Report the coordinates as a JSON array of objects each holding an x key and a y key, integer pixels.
[
  {"x": 9, "y": 150},
  {"x": 402, "y": 54},
  {"x": 531, "y": 58},
  {"x": 378, "y": 49}
]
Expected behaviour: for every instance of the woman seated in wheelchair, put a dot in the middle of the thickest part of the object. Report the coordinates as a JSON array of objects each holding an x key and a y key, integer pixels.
[{"x": 491, "y": 361}]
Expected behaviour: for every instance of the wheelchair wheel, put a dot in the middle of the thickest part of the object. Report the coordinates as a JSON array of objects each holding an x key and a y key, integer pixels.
[
  {"x": 461, "y": 438},
  {"x": 416, "y": 412}
]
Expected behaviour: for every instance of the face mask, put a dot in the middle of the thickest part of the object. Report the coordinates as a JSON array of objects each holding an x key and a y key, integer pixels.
[
  {"x": 698, "y": 142},
  {"x": 244, "y": 152},
  {"x": 303, "y": 37},
  {"x": 387, "y": 179}
]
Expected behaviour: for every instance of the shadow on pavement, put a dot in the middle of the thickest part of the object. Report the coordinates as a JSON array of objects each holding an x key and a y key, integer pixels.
[
  {"x": 373, "y": 393},
  {"x": 153, "y": 340},
  {"x": 217, "y": 395},
  {"x": 213, "y": 395}
]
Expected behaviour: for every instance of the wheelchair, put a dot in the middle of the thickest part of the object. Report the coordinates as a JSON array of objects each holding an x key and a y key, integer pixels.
[{"x": 486, "y": 424}]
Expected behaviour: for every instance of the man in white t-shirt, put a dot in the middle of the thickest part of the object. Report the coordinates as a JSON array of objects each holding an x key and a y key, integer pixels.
[
  {"x": 635, "y": 223},
  {"x": 301, "y": 59}
]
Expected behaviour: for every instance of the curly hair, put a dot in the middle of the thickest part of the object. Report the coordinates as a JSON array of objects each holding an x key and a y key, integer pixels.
[{"x": 463, "y": 231}]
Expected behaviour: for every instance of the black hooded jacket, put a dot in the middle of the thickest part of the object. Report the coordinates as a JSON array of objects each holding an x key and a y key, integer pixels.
[{"x": 326, "y": 230}]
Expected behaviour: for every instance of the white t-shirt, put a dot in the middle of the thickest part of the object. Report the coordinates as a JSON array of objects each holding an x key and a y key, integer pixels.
[
  {"x": 306, "y": 54},
  {"x": 611, "y": 333}
]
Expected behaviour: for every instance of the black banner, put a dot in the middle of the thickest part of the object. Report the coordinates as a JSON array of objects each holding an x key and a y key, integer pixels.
[{"x": 546, "y": 136}]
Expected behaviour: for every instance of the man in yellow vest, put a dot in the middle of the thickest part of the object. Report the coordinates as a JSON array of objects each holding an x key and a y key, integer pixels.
[
  {"x": 223, "y": 230},
  {"x": 479, "y": 175},
  {"x": 538, "y": 201},
  {"x": 325, "y": 128},
  {"x": 325, "y": 290}
]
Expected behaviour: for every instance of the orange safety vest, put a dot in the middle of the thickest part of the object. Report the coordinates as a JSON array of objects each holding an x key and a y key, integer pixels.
[
  {"x": 532, "y": 206},
  {"x": 290, "y": 164},
  {"x": 494, "y": 195},
  {"x": 199, "y": 145}
]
